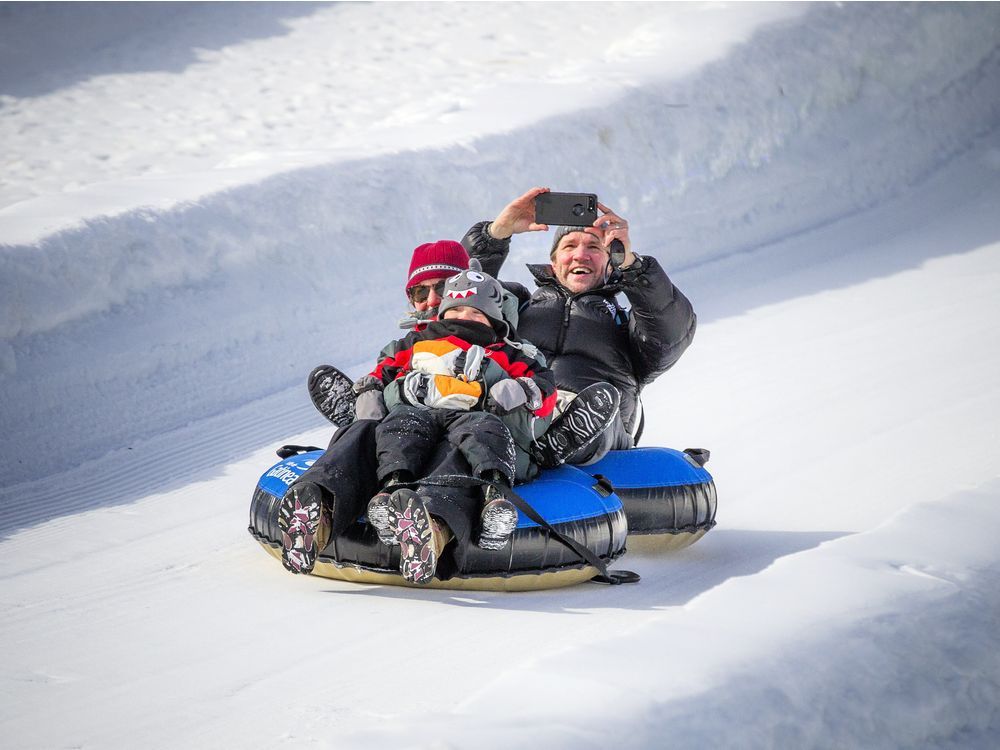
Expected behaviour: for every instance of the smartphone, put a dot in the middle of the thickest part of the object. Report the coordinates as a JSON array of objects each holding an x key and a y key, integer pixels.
[{"x": 566, "y": 209}]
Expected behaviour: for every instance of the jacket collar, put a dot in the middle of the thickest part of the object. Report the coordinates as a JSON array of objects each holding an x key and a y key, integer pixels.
[{"x": 471, "y": 332}]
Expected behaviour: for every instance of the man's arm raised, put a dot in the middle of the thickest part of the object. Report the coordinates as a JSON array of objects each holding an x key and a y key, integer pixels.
[{"x": 489, "y": 241}]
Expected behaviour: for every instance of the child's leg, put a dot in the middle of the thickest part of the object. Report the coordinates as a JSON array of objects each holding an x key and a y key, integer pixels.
[
  {"x": 487, "y": 445},
  {"x": 485, "y": 442},
  {"x": 346, "y": 473},
  {"x": 405, "y": 440}
]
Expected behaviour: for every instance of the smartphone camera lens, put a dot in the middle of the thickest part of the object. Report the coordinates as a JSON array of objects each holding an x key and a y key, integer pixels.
[{"x": 578, "y": 209}]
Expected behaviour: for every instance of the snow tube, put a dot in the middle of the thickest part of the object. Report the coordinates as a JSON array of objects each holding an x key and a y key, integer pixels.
[
  {"x": 668, "y": 495},
  {"x": 663, "y": 497},
  {"x": 573, "y": 502}
]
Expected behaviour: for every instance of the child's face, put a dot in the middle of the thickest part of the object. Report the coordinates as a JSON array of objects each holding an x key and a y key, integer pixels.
[{"x": 462, "y": 312}]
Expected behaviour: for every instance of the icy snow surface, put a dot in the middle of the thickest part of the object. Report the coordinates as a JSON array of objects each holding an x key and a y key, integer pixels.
[{"x": 200, "y": 202}]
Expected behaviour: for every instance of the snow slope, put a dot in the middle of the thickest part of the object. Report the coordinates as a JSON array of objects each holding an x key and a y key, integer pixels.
[{"x": 822, "y": 181}]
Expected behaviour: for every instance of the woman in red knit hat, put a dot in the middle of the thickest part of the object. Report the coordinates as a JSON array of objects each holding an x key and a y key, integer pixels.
[
  {"x": 335, "y": 490},
  {"x": 431, "y": 264}
]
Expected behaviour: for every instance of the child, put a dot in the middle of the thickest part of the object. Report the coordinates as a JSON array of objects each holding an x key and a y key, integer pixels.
[{"x": 462, "y": 388}]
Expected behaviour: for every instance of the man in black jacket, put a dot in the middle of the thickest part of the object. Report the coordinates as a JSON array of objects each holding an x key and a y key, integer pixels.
[{"x": 575, "y": 318}]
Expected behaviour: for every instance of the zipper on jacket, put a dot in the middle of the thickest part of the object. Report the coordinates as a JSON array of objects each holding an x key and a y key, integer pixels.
[{"x": 567, "y": 307}]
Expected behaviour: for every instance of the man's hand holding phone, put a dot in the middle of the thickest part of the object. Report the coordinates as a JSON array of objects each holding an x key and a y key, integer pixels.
[
  {"x": 518, "y": 216},
  {"x": 615, "y": 237}
]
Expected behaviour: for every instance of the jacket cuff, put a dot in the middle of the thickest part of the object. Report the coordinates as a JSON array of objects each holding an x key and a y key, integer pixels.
[
  {"x": 499, "y": 244},
  {"x": 632, "y": 274}
]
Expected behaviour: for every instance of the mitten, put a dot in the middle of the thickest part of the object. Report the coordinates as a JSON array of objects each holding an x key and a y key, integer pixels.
[
  {"x": 441, "y": 391},
  {"x": 507, "y": 395},
  {"x": 533, "y": 392},
  {"x": 366, "y": 383},
  {"x": 472, "y": 362},
  {"x": 415, "y": 387},
  {"x": 369, "y": 402},
  {"x": 370, "y": 405}
]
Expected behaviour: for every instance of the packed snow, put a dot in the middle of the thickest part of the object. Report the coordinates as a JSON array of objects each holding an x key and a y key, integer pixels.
[{"x": 201, "y": 202}]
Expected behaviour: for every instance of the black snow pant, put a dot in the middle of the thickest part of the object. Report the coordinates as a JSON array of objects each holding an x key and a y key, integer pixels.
[
  {"x": 614, "y": 438},
  {"x": 407, "y": 437},
  {"x": 347, "y": 471},
  {"x": 441, "y": 448}
]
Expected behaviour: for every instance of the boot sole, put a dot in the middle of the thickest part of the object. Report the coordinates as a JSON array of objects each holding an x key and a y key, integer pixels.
[
  {"x": 589, "y": 414},
  {"x": 298, "y": 520},
  {"x": 332, "y": 394},
  {"x": 497, "y": 524},
  {"x": 411, "y": 525},
  {"x": 378, "y": 518}
]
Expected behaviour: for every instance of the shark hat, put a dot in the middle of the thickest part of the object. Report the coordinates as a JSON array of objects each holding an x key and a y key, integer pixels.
[{"x": 473, "y": 288}]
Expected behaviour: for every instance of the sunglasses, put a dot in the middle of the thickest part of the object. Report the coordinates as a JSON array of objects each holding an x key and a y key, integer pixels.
[{"x": 421, "y": 293}]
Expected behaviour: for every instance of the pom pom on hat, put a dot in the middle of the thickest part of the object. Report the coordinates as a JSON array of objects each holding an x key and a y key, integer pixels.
[{"x": 436, "y": 260}]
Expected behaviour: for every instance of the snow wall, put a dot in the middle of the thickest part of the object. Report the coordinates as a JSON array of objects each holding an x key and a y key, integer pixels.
[{"x": 131, "y": 325}]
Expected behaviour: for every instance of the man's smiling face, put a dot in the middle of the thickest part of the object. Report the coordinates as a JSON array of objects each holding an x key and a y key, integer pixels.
[{"x": 580, "y": 261}]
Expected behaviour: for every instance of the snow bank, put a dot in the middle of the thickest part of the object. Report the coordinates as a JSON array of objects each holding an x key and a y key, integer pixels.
[
  {"x": 145, "y": 320},
  {"x": 96, "y": 94}
]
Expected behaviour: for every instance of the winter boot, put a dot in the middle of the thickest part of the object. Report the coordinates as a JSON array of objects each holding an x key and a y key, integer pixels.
[
  {"x": 587, "y": 416},
  {"x": 302, "y": 521},
  {"x": 498, "y": 518},
  {"x": 332, "y": 394},
  {"x": 378, "y": 507},
  {"x": 411, "y": 524}
]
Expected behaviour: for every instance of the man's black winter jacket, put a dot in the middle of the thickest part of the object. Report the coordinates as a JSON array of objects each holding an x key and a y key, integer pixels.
[{"x": 588, "y": 337}]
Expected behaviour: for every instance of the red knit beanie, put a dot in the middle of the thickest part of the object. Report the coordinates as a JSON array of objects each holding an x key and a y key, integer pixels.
[{"x": 437, "y": 260}]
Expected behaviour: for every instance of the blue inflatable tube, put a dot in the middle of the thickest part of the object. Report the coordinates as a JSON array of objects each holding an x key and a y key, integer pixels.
[
  {"x": 663, "y": 493},
  {"x": 668, "y": 495}
]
